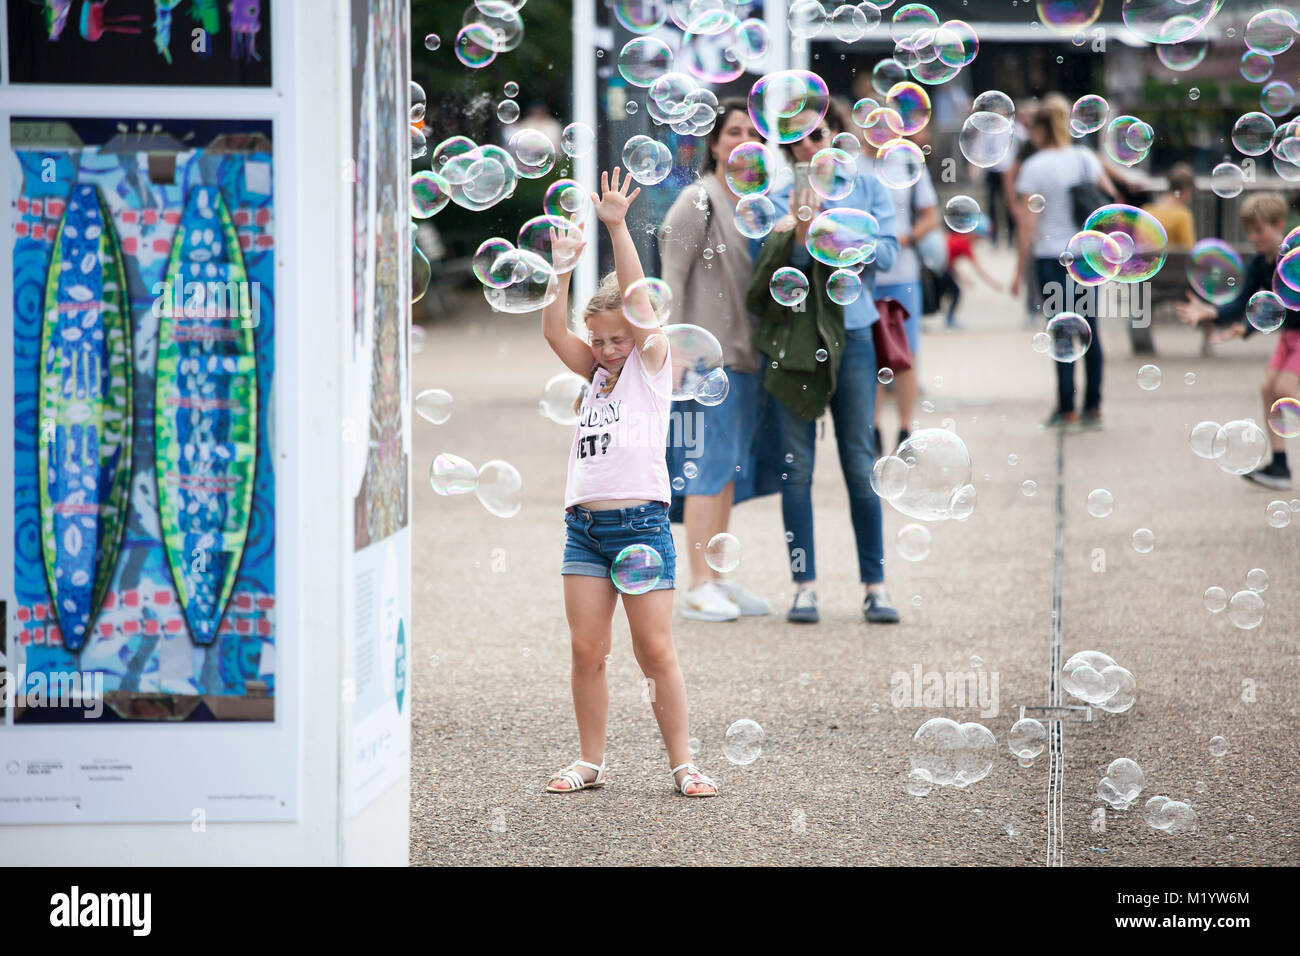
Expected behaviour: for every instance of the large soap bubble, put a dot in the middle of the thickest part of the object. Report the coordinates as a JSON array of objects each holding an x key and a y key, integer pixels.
[
  {"x": 644, "y": 59},
  {"x": 749, "y": 169},
  {"x": 558, "y": 398},
  {"x": 937, "y": 465},
  {"x": 532, "y": 286},
  {"x": 1214, "y": 270},
  {"x": 986, "y": 138},
  {"x": 1145, "y": 236},
  {"x": 950, "y": 754},
  {"x": 695, "y": 353},
  {"x": 843, "y": 237},
  {"x": 648, "y": 161},
  {"x": 788, "y": 105},
  {"x": 1167, "y": 21}
]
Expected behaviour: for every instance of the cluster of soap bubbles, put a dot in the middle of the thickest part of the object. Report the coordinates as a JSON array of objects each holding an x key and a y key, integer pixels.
[
  {"x": 1128, "y": 140},
  {"x": 1096, "y": 679},
  {"x": 1122, "y": 783},
  {"x": 696, "y": 357},
  {"x": 1171, "y": 816},
  {"x": 1278, "y": 512},
  {"x": 927, "y": 477},
  {"x": 948, "y": 754},
  {"x": 497, "y": 483},
  {"x": 488, "y": 27},
  {"x": 1237, "y": 447},
  {"x": 1246, "y": 607}
]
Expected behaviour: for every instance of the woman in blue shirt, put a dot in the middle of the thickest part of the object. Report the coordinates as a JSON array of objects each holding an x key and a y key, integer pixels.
[{"x": 852, "y": 406}]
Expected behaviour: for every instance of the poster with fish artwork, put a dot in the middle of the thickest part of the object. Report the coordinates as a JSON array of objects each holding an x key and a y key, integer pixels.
[{"x": 141, "y": 42}]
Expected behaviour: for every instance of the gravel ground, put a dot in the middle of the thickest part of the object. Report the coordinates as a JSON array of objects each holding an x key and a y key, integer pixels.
[{"x": 492, "y": 711}]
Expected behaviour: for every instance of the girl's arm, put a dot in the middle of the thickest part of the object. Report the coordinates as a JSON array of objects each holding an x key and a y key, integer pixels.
[
  {"x": 980, "y": 271},
  {"x": 611, "y": 207},
  {"x": 572, "y": 351}
]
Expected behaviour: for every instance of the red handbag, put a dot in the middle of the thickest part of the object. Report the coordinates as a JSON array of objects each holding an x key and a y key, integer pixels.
[{"x": 890, "y": 336}]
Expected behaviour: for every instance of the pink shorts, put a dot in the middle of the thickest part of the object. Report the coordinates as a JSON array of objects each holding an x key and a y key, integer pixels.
[{"x": 1286, "y": 357}]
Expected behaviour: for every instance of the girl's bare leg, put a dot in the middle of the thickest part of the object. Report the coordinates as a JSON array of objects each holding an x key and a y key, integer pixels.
[{"x": 589, "y": 606}]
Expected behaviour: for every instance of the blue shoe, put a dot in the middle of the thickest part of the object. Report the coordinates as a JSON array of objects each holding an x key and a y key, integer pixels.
[
  {"x": 878, "y": 608},
  {"x": 804, "y": 609}
]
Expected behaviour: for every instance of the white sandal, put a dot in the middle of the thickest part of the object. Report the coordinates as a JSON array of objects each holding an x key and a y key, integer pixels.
[
  {"x": 575, "y": 780},
  {"x": 693, "y": 775}
]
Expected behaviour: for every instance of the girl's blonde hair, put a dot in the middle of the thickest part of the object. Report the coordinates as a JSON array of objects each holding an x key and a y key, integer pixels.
[
  {"x": 1053, "y": 118},
  {"x": 608, "y": 297}
]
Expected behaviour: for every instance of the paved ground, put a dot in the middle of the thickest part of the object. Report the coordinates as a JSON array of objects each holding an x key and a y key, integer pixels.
[{"x": 493, "y": 715}]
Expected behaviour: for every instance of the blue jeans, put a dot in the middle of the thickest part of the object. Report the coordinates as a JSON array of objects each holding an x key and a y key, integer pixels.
[
  {"x": 853, "y": 408},
  {"x": 1050, "y": 271}
]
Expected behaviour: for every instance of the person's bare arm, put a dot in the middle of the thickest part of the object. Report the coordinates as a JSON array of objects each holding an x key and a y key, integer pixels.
[
  {"x": 611, "y": 208},
  {"x": 983, "y": 274},
  {"x": 927, "y": 221},
  {"x": 1026, "y": 227},
  {"x": 571, "y": 350}
]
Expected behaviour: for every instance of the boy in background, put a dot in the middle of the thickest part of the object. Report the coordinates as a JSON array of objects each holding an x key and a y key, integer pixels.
[
  {"x": 1264, "y": 217},
  {"x": 962, "y": 246}
]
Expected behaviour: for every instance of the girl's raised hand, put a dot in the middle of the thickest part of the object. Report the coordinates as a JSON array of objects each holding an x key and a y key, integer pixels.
[
  {"x": 567, "y": 245},
  {"x": 611, "y": 205}
]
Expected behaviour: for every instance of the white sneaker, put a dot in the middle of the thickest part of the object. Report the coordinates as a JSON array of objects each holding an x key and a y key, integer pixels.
[
  {"x": 709, "y": 603},
  {"x": 750, "y": 605}
]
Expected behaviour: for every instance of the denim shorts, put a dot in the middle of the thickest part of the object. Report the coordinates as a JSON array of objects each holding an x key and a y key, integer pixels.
[{"x": 593, "y": 539}]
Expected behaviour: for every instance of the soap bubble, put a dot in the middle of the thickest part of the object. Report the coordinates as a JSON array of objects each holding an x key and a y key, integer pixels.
[
  {"x": 961, "y": 213},
  {"x": 452, "y": 475},
  {"x": 1127, "y": 140},
  {"x": 1168, "y": 21},
  {"x": 938, "y": 465},
  {"x": 1171, "y": 816},
  {"x": 500, "y": 488},
  {"x": 985, "y": 138},
  {"x": 558, "y": 397},
  {"x": 533, "y": 284},
  {"x": 1144, "y": 540},
  {"x": 648, "y": 161},
  {"x": 962, "y": 504},
  {"x": 744, "y": 742},
  {"x": 885, "y": 376},
  {"x": 1252, "y": 134},
  {"x": 491, "y": 265},
  {"x": 1257, "y": 579},
  {"x": 533, "y": 153},
  {"x": 1284, "y": 417},
  {"x": 1265, "y": 311},
  {"x": 1246, "y": 610},
  {"x": 566, "y": 198},
  {"x": 788, "y": 105},
  {"x": 1088, "y": 114},
  {"x": 678, "y": 484},
  {"x": 994, "y": 101},
  {"x": 1270, "y": 32},
  {"x": 1288, "y": 268},
  {"x": 1071, "y": 336},
  {"x": 843, "y": 237},
  {"x": 912, "y": 104},
  {"x": 1185, "y": 55},
  {"x": 1256, "y": 67},
  {"x": 433, "y": 405},
  {"x": 714, "y": 47},
  {"x": 843, "y": 286},
  {"x": 1122, "y": 783},
  {"x": 789, "y": 286},
  {"x": 452, "y": 158},
  {"x": 1227, "y": 180},
  {"x": 918, "y": 783},
  {"x": 647, "y": 302},
  {"x": 1215, "y": 600},
  {"x": 1208, "y": 440},
  {"x": 507, "y": 111},
  {"x": 755, "y": 216},
  {"x": 1028, "y": 739},
  {"x": 1094, "y": 257},
  {"x": 1125, "y": 695},
  {"x": 847, "y": 142},
  {"x": 1218, "y": 746},
  {"x": 1277, "y": 514},
  {"x": 1149, "y": 242},
  {"x": 951, "y": 754},
  {"x": 474, "y": 46},
  {"x": 1149, "y": 378},
  {"x": 636, "y": 569},
  {"x": 889, "y": 477},
  {"x": 640, "y": 16},
  {"x": 690, "y": 469},
  {"x": 1092, "y": 676},
  {"x": 432, "y": 41},
  {"x": 1214, "y": 270},
  {"x": 694, "y": 352},
  {"x": 644, "y": 59},
  {"x": 1245, "y": 449},
  {"x": 722, "y": 553},
  {"x": 899, "y": 164},
  {"x": 806, "y": 18},
  {"x": 749, "y": 169},
  {"x": 882, "y": 126},
  {"x": 956, "y": 43},
  {"x": 1036, "y": 203},
  {"x": 886, "y": 73},
  {"x": 578, "y": 139},
  {"x": 832, "y": 173},
  {"x": 1029, "y": 488},
  {"x": 552, "y": 239},
  {"x": 913, "y": 542},
  {"x": 419, "y": 144},
  {"x": 1277, "y": 98},
  {"x": 910, "y": 18},
  {"x": 1068, "y": 16},
  {"x": 430, "y": 193}
]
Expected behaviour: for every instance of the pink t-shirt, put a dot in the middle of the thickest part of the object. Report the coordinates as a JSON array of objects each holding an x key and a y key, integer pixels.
[{"x": 618, "y": 446}]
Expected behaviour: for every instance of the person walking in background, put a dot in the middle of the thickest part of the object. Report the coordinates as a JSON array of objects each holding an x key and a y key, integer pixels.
[
  {"x": 916, "y": 215},
  {"x": 962, "y": 246},
  {"x": 710, "y": 293},
  {"x": 824, "y": 356},
  {"x": 1052, "y": 173},
  {"x": 1264, "y": 217}
]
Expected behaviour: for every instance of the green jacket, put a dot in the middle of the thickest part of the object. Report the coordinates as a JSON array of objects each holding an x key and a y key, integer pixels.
[{"x": 790, "y": 339}]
